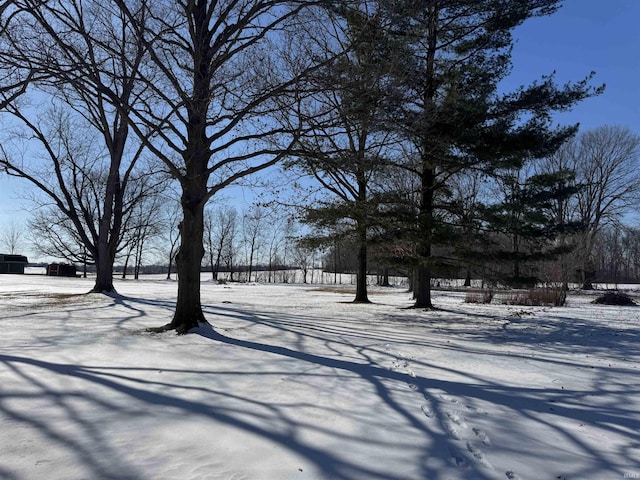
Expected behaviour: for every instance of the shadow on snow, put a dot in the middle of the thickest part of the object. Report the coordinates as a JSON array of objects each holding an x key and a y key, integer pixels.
[{"x": 354, "y": 356}]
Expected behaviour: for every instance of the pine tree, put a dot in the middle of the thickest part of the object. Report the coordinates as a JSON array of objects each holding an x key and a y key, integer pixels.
[
  {"x": 345, "y": 147},
  {"x": 525, "y": 220},
  {"x": 456, "y": 53}
]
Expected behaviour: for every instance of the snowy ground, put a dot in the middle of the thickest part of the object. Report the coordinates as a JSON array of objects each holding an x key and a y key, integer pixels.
[{"x": 294, "y": 382}]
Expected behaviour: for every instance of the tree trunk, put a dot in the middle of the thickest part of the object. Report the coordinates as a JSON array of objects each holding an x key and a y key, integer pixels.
[
  {"x": 384, "y": 278},
  {"x": 588, "y": 274},
  {"x": 422, "y": 287},
  {"x": 467, "y": 279},
  {"x": 126, "y": 265},
  {"x": 361, "y": 275},
  {"x": 169, "y": 269},
  {"x": 516, "y": 263},
  {"x": 104, "y": 270},
  {"x": 111, "y": 221},
  {"x": 251, "y": 260},
  {"x": 188, "y": 311},
  {"x": 188, "y": 307}
]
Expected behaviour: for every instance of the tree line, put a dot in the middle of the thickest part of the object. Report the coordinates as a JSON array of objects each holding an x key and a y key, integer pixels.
[{"x": 388, "y": 119}]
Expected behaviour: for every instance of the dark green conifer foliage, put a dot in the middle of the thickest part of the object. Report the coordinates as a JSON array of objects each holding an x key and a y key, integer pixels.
[
  {"x": 527, "y": 223},
  {"x": 344, "y": 148},
  {"x": 456, "y": 53}
]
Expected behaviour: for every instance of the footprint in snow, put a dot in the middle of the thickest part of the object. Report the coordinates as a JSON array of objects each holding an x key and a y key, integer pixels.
[
  {"x": 452, "y": 429},
  {"x": 482, "y": 436},
  {"x": 457, "y": 457},
  {"x": 452, "y": 422},
  {"x": 448, "y": 398},
  {"x": 477, "y": 454},
  {"x": 476, "y": 410},
  {"x": 427, "y": 411},
  {"x": 456, "y": 418}
]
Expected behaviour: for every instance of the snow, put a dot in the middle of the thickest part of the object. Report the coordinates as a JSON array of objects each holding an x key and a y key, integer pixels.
[{"x": 295, "y": 382}]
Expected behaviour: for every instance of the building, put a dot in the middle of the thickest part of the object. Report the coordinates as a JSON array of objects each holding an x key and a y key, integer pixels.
[
  {"x": 61, "y": 270},
  {"x": 12, "y": 263}
]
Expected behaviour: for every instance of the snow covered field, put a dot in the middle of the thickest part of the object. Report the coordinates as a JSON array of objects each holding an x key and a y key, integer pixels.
[{"x": 293, "y": 382}]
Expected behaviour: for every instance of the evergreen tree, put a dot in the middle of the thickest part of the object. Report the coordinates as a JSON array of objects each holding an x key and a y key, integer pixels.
[
  {"x": 526, "y": 222},
  {"x": 456, "y": 53},
  {"x": 345, "y": 148}
]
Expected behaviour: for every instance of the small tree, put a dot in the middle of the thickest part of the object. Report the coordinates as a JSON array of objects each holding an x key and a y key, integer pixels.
[
  {"x": 13, "y": 237},
  {"x": 170, "y": 221},
  {"x": 525, "y": 218},
  {"x": 220, "y": 227},
  {"x": 143, "y": 219},
  {"x": 252, "y": 229},
  {"x": 304, "y": 256}
]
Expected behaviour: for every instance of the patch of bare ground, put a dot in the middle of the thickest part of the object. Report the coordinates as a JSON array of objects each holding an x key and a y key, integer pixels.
[
  {"x": 349, "y": 290},
  {"x": 35, "y": 300}
]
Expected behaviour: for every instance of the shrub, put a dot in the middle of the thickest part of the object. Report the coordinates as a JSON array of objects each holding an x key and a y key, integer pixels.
[
  {"x": 615, "y": 298},
  {"x": 555, "y": 296},
  {"x": 482, "y": 296}
]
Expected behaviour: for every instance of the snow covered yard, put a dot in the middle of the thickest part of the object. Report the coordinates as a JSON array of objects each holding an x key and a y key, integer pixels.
[{"x": 293, "y": 382}]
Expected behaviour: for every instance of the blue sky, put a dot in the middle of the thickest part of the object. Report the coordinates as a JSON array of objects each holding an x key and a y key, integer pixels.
[{"x": 583, "y": 36}]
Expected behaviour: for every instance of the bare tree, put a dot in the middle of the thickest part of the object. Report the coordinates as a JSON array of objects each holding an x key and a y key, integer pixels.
[
  {"x": 13, "y": 237},
  {"x": 466, "y": 194},
  {"x": 278, "y": 234},
  {"x": 68, "y": 205},
  {"x": 605, "y": 162},
  {"x": 143, "y": 220},
  {"x": 171, "y": 232},
  {"x": 220, "y": 226},
  {"x": 230, "y": 249},
  {"x": 215, "y": 77},
  {"x": 90, "y": 58},
  {"x": 304, "y": 257},
  {"x": 607, "y": 165},
  {"x": 252, "y": 228}
]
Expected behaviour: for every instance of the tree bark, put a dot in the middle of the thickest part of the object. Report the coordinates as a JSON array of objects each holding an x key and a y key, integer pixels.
[
  {"x": 385, "y": 278},
  {"x": 126, "y": 265},
  {"x": 104, "y": 271},
  {"x": 361, "y": 276},
  {"x": 109, "y": 229},
  {"x": 188, "y": 313},
  {"x": 422, "y": 287}
]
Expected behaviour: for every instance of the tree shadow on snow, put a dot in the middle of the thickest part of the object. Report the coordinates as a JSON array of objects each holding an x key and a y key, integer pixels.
[{"x": 440, "y": 414}]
